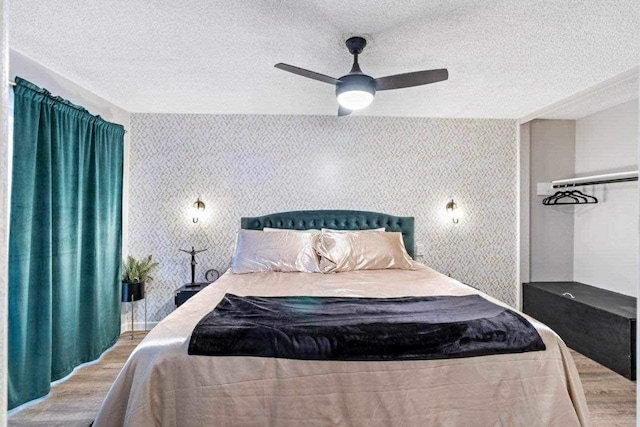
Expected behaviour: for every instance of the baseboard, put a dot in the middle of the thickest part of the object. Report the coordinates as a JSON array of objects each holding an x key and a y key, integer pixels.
[{"x": 138, "y": 326}]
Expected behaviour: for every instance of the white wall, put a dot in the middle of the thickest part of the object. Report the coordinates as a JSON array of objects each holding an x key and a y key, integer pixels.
[
  {"x": 4, "y": 219},
  {"x": 551, "y": 227},
  {"x": 524, "y": 207},
  {"x": 524, "y": 202},
  {"x": 58, "y": 85},
  {"x": 606, "y": 234},
  {"x": 638, "y": 261}
]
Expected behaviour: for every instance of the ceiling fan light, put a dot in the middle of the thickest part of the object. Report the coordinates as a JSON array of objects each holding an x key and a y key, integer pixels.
[
  {"x": 355, "y": 91},
  {"x": 355, "y": 99}
]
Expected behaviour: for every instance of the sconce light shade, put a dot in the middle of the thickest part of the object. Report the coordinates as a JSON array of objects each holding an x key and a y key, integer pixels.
[
  {"x": 198, "y": 209},
  {"x": 452, "y": 209}
]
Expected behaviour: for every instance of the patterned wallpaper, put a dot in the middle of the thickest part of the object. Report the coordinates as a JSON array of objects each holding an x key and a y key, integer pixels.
[{"x": 247, "y": 165}]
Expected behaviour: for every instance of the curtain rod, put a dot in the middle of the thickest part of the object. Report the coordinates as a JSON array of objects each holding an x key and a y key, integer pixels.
[{"x": 12, "y": 83}]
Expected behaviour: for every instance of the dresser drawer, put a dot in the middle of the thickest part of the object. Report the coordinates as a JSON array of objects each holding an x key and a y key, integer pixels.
[{"x": 595, "y": 322}]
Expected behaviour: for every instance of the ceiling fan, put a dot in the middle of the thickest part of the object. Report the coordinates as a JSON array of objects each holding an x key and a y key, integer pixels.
[{"x": 356, "y": 90}]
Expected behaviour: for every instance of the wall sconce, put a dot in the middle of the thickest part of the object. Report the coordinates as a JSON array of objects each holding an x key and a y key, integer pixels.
[
  {"x": 453, "y": 211},
  {"x": 198, "y": 210}
]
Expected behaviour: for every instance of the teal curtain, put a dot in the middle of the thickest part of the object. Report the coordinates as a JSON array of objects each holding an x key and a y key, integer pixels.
[{"x": 65, "y": 235}]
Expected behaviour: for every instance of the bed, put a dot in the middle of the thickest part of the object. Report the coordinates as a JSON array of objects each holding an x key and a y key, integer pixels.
[{"x": 161, "y": 385}]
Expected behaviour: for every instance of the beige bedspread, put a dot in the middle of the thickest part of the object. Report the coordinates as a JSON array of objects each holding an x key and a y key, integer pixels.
[{"x": 160, "y": 385}]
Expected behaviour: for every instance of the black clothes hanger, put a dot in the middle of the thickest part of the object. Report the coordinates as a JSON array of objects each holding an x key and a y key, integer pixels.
[
  {"x": 562, "y": 198},
  {"x": 586, "y": 197}
]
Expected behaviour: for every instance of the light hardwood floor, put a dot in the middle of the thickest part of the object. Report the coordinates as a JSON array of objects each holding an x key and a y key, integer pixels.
[
  {"x": 75, "y": 402},
  {"x": 611, "y": 397}
]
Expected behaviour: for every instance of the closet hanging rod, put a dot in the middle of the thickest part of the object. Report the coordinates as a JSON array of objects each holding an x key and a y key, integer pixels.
[{"x": 608, "y": 178}]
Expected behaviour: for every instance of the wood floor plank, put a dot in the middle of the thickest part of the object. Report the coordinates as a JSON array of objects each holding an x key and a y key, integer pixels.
[{"x": 75, "y": 402}]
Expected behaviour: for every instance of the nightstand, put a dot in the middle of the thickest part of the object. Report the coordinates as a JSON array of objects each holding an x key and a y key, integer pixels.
[{"x": 187, "y": 291}]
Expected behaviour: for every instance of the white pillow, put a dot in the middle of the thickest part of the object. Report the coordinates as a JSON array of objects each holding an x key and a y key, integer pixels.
[
  {"x": 286, "y": 251},
  {"x": 331, "y": 230},
  {"x": 271, "y": 230},
  {"x": 362, "y": 251}
]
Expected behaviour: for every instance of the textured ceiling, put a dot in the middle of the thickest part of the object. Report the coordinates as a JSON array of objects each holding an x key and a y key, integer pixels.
[
  {"x": 597, "y": 100},
  {"x": 506, "y": 58}
]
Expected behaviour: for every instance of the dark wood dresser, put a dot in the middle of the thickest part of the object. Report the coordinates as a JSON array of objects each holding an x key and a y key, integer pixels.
[{"x": 595, "y": 322}]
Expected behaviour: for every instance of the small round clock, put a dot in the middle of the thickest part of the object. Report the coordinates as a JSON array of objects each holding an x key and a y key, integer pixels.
[{"x": 211, "y": 275}]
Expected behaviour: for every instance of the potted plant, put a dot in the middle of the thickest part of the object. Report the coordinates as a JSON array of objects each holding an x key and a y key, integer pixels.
[
  {"x": 135, "y": 273},
  {"x": 138, "y": 271}
]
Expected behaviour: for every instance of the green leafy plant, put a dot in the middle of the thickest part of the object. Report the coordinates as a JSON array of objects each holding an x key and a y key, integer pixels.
[{"x": 134, "y": 271}]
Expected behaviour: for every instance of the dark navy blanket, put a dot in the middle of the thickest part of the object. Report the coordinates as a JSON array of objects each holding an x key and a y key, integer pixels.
[{"x": 366, "y": 329}]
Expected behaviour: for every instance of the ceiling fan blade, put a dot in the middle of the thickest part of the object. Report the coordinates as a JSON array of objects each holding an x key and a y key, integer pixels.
[
  {"x": 417, "y": 78},
  {"x": 308, "y": 74},
  {"x": 343, "y": 111}
]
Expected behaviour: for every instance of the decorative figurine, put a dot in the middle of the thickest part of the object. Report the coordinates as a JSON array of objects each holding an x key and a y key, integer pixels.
[{"x": 193, "y": 253}]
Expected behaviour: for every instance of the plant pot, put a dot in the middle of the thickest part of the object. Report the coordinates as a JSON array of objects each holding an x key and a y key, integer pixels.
[{"x": 132, "y": 291}]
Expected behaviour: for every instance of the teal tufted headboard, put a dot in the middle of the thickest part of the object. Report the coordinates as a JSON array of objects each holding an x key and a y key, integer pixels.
[{"x": 338, "y": 220}]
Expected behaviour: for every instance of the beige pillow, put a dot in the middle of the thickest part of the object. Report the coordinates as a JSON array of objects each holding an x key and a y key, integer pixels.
[
  {"x": 313, "y": 230},
  {"x": 276, "y": 230},
  {"x": 353, "y": 231},
  {"x": 362, "y": 251},
  {"x": 286, "y": 251}
]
